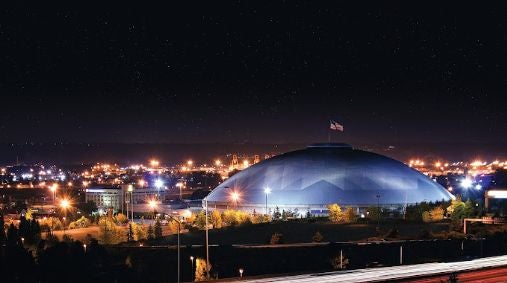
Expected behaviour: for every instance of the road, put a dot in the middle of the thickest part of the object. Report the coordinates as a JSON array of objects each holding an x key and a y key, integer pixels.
[
  {"x": 483, "y": 276},
  {"x": 396, "y": 272}
]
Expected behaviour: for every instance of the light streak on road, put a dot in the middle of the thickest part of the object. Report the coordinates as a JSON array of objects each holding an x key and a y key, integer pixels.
[{"x": 389, "y": 273}]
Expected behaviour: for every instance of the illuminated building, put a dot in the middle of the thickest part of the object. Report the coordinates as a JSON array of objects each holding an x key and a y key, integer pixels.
[{"x": 310, "y": 179}]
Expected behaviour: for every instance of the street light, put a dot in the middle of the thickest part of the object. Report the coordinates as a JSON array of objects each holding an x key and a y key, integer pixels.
[
  {"x": 378, "y": 208},
  {"x": 179, "y": 185},
  {"x": 158, "y": 184},
  {"x": 192, "y": 266},
  {"x": 241, "y": 273},
  {"x": 154, "y": 163},
  {"x": 179, "y": 230},
  {"x": 53, "y": 189},
  {"x": 84, "y": 246},
  {"x": 153, "y": 205},
  {"x": 207, "y": 238},
  {"x": 235, "y": 198},
  {"x": 267, "y": 191},
  {"x": 466, "y": 183}
]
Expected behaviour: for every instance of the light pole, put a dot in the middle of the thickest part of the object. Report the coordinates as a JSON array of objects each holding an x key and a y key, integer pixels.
[
  {"x": 192, "y": 267},
  {"x": 53, "y": 189},
  {"x": 267, "y": 191},
  {"x": 378, "y": 211},
  {"x": 179, "y": 185},
  {"x": 64, "y": 204},
  {"x": 159, "y": 184},
  {"x": 179, "y": 229},
  {"x": 207, "y": 243},
  {"x": 153, "y": 206}
]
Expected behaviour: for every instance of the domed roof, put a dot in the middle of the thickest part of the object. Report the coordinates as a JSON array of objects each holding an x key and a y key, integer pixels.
[{"x": 329, "y": 173}]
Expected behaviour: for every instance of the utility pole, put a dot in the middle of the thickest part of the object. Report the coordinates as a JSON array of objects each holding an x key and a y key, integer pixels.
[{"x": 207, "y": 241}]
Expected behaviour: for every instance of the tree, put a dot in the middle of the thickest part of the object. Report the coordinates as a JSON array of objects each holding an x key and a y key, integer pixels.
[
  {"x": 350, "y": 215},
  {"x": 35, "y": 231},
  {"x": 13, "y": 238},
  {"x": 437, "y": 213},
  {"x": 82, "y": 222},
  {"x": 120, "y": 218},
  {"x": 158, "y": 230},
  {"x": 109, "y": 232},
  {"x": 200, "y": 220},
  {"x": 151, "y": 232},
  {"x": 335, "y": 213},
  {"x": 200, "y": 269},
  {"x": 276, "y": 238},
  {"x": 3, "y": 237},
  {"x": 139, "y": 231},
  {"x": 277, "y": 215},
  {"x": 216, "y": 219}
]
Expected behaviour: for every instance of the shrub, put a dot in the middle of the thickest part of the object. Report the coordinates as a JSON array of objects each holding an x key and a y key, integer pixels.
[
  {"x": 349, "y": 216},
  {"x": 335, "y": 262},
  {"x": 317, "y": 237},
  {"x": 216, "y": 219},
  {"x": 426, "y": 217},
  {"x": 120, "y": 218},
  {"x": 67, "y": 238},
  {"x": 437, "y": 213},
  {"x": 52, "y": 223},
  {"x": 82, "y": 222},
  {"x": 229, "y": 218},
  {"x": 157, "y": 230},
  {"x": 243, "y": 217},
  {"x": 276, "y": 238},
  {"x": 261, "y": 218},
  {"x": 335, "y": 212}
]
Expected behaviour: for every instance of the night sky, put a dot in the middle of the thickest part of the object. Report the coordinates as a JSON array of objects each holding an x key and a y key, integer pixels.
[{"x": 273, "y": 73}]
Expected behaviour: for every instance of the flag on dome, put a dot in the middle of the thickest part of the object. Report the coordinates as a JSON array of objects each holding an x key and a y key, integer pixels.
[{"x": 335, "y": 126}]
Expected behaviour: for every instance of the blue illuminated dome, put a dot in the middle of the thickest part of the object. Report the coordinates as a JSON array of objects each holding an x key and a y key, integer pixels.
[{"x": 312, "y": 178}]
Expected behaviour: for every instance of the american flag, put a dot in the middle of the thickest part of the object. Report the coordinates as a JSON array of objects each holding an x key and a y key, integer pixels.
[{"x": 335, "y": 126}]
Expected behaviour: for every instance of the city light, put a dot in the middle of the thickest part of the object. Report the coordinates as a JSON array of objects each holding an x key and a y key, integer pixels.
[
  {"x": 65, "y": 203},
  {"x": 218, "y": 162},
  {"x": 141, "y": 183},
  {"x": 466, "y": 183},
  {"x": 54, "y": 187},
  {"x": 190, "y": 163},
  {"x": 159, "y": 183},
  {"x": 152, "y": 204},
  {"x": 234, "y": 196},
  {"x": 497, "y": 194},
  {"x": 154, "y": 163}
]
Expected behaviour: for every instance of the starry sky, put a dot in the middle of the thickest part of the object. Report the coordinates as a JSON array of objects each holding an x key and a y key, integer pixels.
[{"x": 233, "y": 72}]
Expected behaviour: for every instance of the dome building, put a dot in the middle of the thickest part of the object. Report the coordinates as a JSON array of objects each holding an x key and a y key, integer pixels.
[{"x": 308, "y": 180}]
